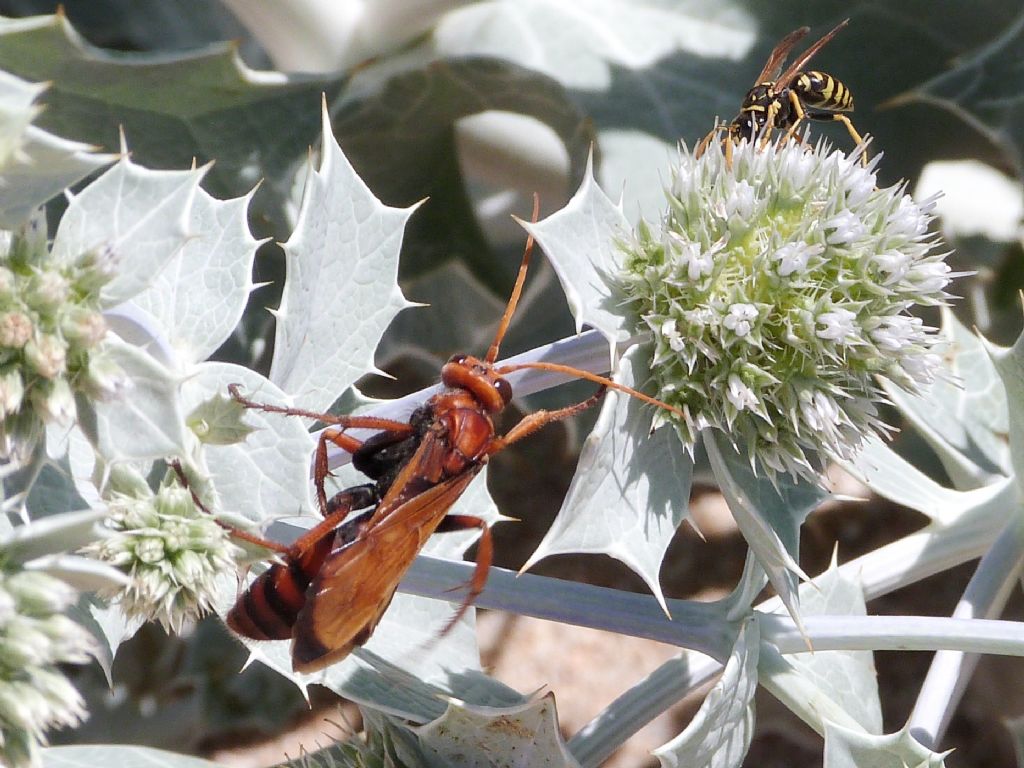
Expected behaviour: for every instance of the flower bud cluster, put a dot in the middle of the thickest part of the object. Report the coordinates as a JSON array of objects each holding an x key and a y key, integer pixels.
[
  {"x": 50, "y": 333},
  {"x": 35, "y": 636},
  {"x": 778, "y": 290},
  {"x": 171, "y": 550}
]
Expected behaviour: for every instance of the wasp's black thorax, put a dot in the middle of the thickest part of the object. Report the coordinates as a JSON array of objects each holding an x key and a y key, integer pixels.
[
  {"x": 381, "y": 457},
  {"x": 761, "y": 101}
]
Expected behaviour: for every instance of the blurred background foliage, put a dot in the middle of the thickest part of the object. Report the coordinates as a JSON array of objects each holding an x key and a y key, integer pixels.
[{"x": 937, "y": 85}]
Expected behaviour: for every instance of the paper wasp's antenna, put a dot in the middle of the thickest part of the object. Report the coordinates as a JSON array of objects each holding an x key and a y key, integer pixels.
[{"x": 513, "y": 300}]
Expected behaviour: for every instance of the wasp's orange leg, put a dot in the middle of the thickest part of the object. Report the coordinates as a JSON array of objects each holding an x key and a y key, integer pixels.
[
  {"x": 234, "y": 532},
  {"x": 335, "y": 512},
  {"x": 347, "y": 443},
  {"x": 345, "y": 422},
  {"x": 484, "y": 558},
  {"x": 534, "y": 421}
]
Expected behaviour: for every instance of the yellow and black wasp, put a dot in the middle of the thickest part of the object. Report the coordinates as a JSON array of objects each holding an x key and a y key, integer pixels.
[{"x": 782, "y": 100}]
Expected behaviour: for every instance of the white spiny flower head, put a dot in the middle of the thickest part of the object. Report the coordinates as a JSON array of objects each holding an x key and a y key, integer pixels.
[
  {"x": 172, "y": 552},
  {"x": 778, "y": 291},
  {"x": 35, "y": 637},
  {"x": 51, "y": 328}
]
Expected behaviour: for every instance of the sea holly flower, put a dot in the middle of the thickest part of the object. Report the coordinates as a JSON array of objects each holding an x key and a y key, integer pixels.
[
  {"x": 768, "y": 305},
  {"x": 776, "y": 292},
  {"x": 171, "y": 550}
]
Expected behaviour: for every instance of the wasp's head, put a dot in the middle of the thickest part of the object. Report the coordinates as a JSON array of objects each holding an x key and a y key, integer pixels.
[{"x": 479, "y": 379}]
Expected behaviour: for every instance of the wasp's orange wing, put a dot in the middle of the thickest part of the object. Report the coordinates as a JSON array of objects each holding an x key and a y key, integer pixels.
[
  {"x": 356, "y": 583},
  {"x": 773, "y": 66},
  {"x": 791, "y": 71}
]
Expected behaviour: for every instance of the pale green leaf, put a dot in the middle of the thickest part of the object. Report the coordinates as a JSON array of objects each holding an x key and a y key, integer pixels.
[
  {"x": 82, "y": 573},
  {"x": 120, "y": 756},
  {"x": 268, "y": 475},
  {"x": 52, "y": 534},
  {"x": 111, "y": 628},
  {"x": 846, "y": 748},
  {"x": 342, "y": 291},
  {"x": 81, "y": 614},
  {"x": 963, "y": 418},
  {"x": 145, "y": 420},
  {"x": 582, "y": 243},
  {"x": 81, "y": 461},
  {"x": 41, "y": 169},
  {"x": 137, "y": 217},
  {"x": 16, "y": 112},
  {"x": 720, "y": 733},
  {"x": 769, "y": 515},
  {"x": 631, "y": 486},
  {"x": 481, "y": 737},
  {"x": 198, "y": 298},
  {"x": 890, "y": 475},
  {"x": 839, "y": 686},
  {"x": 1009, "y": 364},
  {"x": 172, "y": 107}
]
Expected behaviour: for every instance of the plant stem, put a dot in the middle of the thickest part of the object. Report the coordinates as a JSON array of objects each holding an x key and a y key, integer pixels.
[{"x": 950, "y": 671}]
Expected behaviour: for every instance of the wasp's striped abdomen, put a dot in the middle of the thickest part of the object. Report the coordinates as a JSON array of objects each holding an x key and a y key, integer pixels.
[
  {"x": 820, "y": 90},
  {"x": 268, "y": 608}
]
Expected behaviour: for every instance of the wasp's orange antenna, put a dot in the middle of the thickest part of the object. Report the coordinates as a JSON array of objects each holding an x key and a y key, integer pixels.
[
  {"x": 517, "y": 290},
  {"x": 580, "y": 373}
]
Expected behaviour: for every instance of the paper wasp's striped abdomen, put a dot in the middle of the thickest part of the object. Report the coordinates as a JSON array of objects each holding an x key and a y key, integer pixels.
[{"x": 820, "y": 90}]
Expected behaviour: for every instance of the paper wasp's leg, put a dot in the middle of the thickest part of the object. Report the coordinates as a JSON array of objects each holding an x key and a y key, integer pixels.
[
  {"x": 484, "y": 558},
  {"x": 858, "y": 139},
  {"x": 799, "y": 115},
  {"x": 770, "y": 116},
  {"x": 534, "y": 421}
]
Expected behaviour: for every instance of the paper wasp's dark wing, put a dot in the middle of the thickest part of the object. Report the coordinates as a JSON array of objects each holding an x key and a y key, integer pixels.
[
  {"x": 793, "y": 69},
  {"x": 773, "y": 66}
]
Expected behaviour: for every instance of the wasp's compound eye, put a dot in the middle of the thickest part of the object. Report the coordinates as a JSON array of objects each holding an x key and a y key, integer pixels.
[{"x": 504, "y": 389}]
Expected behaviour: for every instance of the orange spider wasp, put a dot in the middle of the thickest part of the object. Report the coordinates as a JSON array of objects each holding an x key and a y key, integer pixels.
[
  {"x": 783, "y": 100},
  {"x": 330, "y": 588}
]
